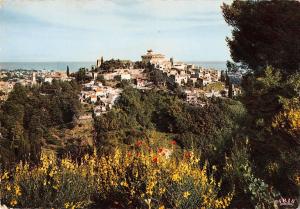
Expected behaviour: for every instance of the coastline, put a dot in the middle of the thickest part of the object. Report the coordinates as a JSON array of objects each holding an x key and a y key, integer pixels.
[{"x": 74, "y": 66}]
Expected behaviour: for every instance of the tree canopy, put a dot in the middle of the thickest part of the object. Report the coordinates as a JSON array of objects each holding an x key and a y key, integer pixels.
[
  {"x": 266, "y": 39},
  {"x": 28, "y": 114},
  {"x": 265, "y": 33}
]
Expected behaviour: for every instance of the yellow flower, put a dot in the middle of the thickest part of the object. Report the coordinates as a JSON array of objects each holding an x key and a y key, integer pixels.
[
  {"x": 186, "y": 194},
  {"x": 148, "y": 201},
  {"x": 4, "y": 176},
  {"x": 13, "y": 202},
  {"x": 18, "y": 190},
  {"x": 176, "y": 177},
  {"x": 161, "y": 207},
  {"x": 8, "y": 188},
  {"x": 162, "y": 190},
  {"x": 124, "y": 183},
  {"x": 297, "y": 180},
  {"x": 67, "y": 205}
]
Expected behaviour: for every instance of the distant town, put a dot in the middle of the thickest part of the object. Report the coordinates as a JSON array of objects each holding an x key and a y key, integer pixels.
[{"x": 102, "y": 83}]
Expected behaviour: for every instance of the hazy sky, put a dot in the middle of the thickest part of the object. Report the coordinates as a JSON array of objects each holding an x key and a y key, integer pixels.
[{"x": 82, "y": 30}]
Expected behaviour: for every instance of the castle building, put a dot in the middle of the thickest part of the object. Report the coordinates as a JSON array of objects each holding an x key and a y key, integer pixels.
[{"x": 153, "y": 58}]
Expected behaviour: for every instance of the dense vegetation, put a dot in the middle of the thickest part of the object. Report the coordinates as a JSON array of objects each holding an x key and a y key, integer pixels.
[
  {"x": 110, "y": 65},
  {"x": 28, "y": 114},
  {"x": 122, "y": 179},
  {"x": 265, "y": 38},
  {"x": 81, "y": 76},
  {"x": 265, "y": 33},
  {"x": 217, "y": 132},
  {"x": 205, "y": 128}
]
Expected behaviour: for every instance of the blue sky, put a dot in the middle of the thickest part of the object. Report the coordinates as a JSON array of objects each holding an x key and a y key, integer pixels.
[{"x": 82, "y": 30}]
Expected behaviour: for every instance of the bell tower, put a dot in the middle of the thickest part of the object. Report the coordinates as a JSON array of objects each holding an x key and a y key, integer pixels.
[{"x": 99, "y": 62}]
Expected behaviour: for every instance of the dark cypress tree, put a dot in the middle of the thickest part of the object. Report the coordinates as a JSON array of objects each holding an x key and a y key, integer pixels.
[
  {"x": 230, "y": 90},
  {"x": 68, "y": 71},
  {"x": 227, "y": 79},
  {"x": 223, "y": 76}
]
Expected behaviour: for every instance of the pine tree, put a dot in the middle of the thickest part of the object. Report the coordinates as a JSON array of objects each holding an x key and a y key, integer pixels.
[{"x": 227, "y": 79}]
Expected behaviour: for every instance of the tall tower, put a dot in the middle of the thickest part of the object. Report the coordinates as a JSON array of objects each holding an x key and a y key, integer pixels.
[
  {"x": 99, "y": 62},
  {"x": 33, "y": 78}
]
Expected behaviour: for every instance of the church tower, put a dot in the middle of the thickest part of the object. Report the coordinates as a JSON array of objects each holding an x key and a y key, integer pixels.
[
  {"x": 99, "y": 62},
  {"x": 33, "y": 78}
]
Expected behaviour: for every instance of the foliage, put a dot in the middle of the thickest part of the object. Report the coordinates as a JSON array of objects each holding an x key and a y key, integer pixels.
[
  {"x": 28, "y": 113},
  {"x": 250, "y": 189},
  {"x": 139, "y": 65},
  {"x": 207, "y": 129},
  {"x": 217, "y": 86},
  {"x": 124, "y": 83},
  {"x": 52, "y": 183},
  {"x": 112, "y": 64},
  {"x": 288, "y": 120},
  {"x": 158, "y": 77},
  {"x": 272, "y": 101},
  {"x": 232, "y": 67},
  {"x": 81, "y": 76},
  {"x": 265, "y": 33},
  {"x": 138, "y": 178},
  {"x": 68, "y": 71}
]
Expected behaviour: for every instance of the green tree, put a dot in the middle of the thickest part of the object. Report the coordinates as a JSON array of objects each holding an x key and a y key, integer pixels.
[
  {"x": 68, "y": 71},
  {"x": 232, "y": 67},
  {"x": 29, "y": 113},
  {"x": 265, "y": 33},
  {"x": 81, "y": 76},
  {"x": 158, "y": 77}
]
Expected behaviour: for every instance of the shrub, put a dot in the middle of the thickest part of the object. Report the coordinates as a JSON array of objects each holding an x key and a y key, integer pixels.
[
  {"x": 143, "y": 177},
  {"x": 50, "y": 184}
]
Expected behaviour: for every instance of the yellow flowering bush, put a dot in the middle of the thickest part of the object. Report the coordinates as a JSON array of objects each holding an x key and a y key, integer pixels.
[
  {"x": 51, "y": 183},
  {"x": 136, "y": 178},
  {"x": 288, "y": 119}
]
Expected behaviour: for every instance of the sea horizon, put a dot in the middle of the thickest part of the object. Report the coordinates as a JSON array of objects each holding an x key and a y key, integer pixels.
[{"x": 76, "y": 65}]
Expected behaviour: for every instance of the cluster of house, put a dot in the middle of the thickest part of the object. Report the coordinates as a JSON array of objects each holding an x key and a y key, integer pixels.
[
  {"x": 181, "y": 73},
  {"x": 31, "y": 77},
  {"x": 193, "y": 94},
  {"x": 189, "y": 76},
  {"x": 139, "y": 77},
  {"x": 175, "y": 72},
  {"x": 27, "y": 78},
  {"x": 5, "y": 88},
  {"x": 103, "y": 97}
]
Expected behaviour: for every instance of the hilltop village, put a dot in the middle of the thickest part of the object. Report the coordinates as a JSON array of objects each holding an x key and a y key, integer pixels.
[{"x": 103, "y": 83}]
